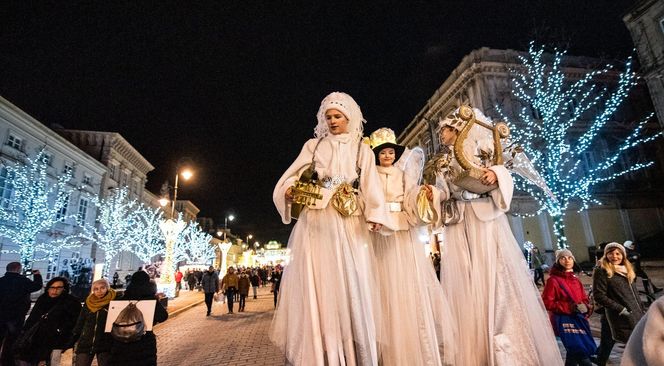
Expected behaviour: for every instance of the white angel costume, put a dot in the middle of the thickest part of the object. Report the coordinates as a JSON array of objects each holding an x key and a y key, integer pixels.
[
  {"x": 502, "y": 320},
  {"x": 416, "y": 326},
  {"x": 327, "y": 311}
]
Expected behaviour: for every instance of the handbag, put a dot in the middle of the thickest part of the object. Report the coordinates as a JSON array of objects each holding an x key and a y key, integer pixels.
[
  {"x": 27, "y": 339},
  {"x": 574, "y": 331}
]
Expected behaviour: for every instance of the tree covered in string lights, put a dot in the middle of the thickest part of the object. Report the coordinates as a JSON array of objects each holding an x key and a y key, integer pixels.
[
  {"x": 148, "y": 238},
  {"x": 559, "y": 124},
  {"x": 194, "y": 245},
  {"x": 115, "y": 227},
  {"x": 36, "y": 204}
]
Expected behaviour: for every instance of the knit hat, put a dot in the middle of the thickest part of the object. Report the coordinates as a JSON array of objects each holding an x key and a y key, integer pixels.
[
  {"x": 609, "y": 247},
  {"x": 564, "y": 252}
]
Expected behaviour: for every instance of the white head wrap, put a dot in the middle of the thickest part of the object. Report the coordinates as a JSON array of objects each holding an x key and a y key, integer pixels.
[{"x": 345, "y": 104}]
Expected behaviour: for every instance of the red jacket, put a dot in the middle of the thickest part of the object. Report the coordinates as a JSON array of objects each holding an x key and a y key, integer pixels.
[
  {"x": 556, "y": 299},
  {"x": 178, "y": 276}
]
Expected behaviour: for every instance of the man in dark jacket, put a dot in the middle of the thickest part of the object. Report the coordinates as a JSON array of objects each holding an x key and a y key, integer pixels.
[
  {"x": 210, "y": 284},
  {"x": 15, "y": 290}
]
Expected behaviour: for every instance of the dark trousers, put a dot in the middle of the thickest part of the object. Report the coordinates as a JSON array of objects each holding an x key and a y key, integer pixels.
[
  {"x": 243, "y": 299},
  {"x": 84, "y": 359},
  {"x": 276, "y": 295},
  {"x": 9, "y": 331},
  {"x": 230, "y": 295},
  {"x": 538, "y": 276},
  {"x": 606, "y": 342},
  {"x": 208, "y": 301}
]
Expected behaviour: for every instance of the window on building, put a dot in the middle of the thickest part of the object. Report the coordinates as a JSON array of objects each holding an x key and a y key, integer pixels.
[
  {"x": 52, "y": 269},
  {"x": 82, "y": 211},
  {"x": 114, "y": 172},
  {"x": 6, "y": 188},
  {"x": 62, "y": 213},
  {"x": 15, "y": 142},
  {"x": 69, "y": 168},
  {"x": 87, "y": 180},
  {"x": 47, "y": 158},
  {"x": 535, "y": 112}
]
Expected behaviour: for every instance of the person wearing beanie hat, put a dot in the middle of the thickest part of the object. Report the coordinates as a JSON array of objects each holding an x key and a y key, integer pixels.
[
  {"x": 635, "y": 258},
  {"x": 325, "y": 307},
  {"x": 417, "y": 307},
  {"x": 479, "y": 271},
  {"x": 564, "y": 296},
  {"x": 615, "y": 290}
]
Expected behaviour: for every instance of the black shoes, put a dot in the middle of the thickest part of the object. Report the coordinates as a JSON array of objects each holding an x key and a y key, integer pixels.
[{"x": 208, "y": 314}]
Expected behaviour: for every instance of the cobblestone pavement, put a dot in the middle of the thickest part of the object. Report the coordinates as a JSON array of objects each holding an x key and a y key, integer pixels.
[{"x": 239, "y": 339}]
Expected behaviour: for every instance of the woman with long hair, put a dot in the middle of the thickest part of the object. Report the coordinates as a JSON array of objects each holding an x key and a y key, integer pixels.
[
  {"x": 615, "y": 290},
  {"x": 564, "y": 294}
]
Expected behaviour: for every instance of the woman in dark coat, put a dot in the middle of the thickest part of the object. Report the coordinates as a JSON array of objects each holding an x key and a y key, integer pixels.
[
  {"x": 91, "y": 340},
  {"x": 144, "y": 351},
  {"x": 54, "y": 335},
  {"x": 614, "y": 289}
]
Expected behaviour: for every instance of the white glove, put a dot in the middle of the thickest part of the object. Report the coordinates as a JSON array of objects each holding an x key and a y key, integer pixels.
[{"x": 625, "y": 312}]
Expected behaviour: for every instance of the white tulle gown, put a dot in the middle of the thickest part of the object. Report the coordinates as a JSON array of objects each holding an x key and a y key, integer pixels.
[
  {"x": 502, "y": 320},
  {"x": 327, "y": 310},
  {"x": 416, "y": 326}
]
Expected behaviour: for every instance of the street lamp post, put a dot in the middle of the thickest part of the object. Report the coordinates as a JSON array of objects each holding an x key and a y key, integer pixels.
[{"x": 248, "y": 237}]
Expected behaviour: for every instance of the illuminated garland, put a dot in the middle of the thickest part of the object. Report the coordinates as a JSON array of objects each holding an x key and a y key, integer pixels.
[
  {"x": 193, "y": 245},
  {"x": 571, "y": 115},
  {"x": 34, "y": 206}
]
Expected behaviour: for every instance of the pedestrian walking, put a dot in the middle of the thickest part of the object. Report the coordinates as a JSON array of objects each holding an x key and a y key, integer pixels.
[
  {"x": 243, "y": 288},
  {"x": 178, "y": 281},
  {"x": 229, "y": 285},
  {"x": 142, "y": 352},
  {"x": 91, "y": 339},
  {"x": 564, "y": 295},
  {"x": 275, "y": 279},
  {"x": 634, "y": 257},
  {"x": 191, "y": 280},
  {"x": 210, "y": 284},
  {"x": 15, "y": 290},
  {"x": 255, "y": 282},
  {"x": 536, "y": 262},
  {"x": 615, "y": 290},
  {"x": 56, "y": 310}
]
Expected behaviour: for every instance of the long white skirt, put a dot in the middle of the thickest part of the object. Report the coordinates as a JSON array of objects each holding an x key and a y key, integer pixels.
[
  {"x": 326, "y": 312},
  {"x": 416, "y": 324},
  {"x": 502, "y": 320}
]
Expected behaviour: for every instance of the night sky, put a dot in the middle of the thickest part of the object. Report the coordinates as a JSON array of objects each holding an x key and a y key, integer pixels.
[{"x": 235, "y": 85}]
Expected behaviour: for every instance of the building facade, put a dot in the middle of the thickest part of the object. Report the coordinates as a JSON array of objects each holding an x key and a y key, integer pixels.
[
  {"x": 645, "y": 21},
  {"x": 24, "y": 137},
  {"x": 630, "y": 207}
]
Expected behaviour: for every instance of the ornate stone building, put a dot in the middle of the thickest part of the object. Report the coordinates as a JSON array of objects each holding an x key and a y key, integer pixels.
[
  {"x": 645, "y": 22},
  {"x": 631, "y": 206}
]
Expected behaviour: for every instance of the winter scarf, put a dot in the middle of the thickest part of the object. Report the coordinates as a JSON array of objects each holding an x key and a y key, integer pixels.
[{"x": 95, "y": 304}]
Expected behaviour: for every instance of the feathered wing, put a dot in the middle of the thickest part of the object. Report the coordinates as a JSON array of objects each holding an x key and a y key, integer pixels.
[{"x": 412, "y": 163}]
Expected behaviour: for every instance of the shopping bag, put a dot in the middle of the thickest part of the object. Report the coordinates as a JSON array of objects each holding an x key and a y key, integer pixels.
[{"x": 574, "y": 333}]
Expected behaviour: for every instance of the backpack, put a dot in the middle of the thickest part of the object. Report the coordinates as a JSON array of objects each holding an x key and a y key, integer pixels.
[{"x": 129, "y": 326}]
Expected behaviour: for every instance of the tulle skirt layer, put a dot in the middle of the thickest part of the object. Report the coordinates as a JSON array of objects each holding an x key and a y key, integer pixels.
[
  {"x": 416, "y": 324},
  {"x": 502, "y": 320},
  {"x": 326, "y": 312}
]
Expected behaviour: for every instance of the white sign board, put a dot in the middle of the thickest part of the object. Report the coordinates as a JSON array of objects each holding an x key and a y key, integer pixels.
[{"x": 145, "y": 306}]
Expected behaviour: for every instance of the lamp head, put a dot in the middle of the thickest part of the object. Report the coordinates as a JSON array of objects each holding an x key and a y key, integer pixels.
[
  {"x": 186, "y": 174},
  {"x": 231, "y": 217},
  {"x": 163, "y": 201}
]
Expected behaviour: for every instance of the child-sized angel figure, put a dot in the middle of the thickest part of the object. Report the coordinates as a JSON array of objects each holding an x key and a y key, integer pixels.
[
  {"x": 502, "y": 320},
  {"x": 416, "y": 326}
]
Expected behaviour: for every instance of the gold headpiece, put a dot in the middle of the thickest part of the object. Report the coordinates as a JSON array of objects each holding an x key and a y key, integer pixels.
[{"x": 383, "y": 136}]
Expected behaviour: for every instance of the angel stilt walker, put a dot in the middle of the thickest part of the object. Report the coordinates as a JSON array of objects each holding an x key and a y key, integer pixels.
[
  {"x": 326, "y": 310},
  {"x": 416, "y": 325},
  {"x": 502, "y": 320}
]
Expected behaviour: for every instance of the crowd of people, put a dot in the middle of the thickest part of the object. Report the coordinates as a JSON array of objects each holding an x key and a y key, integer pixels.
[
  {"x": 345, "y": 300},
  {"x": 58, "y": 322}
]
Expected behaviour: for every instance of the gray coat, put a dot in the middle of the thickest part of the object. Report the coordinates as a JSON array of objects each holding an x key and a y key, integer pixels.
[
  {"x": 615, "y": 294},
  {"x": 210, "y": 282}
]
